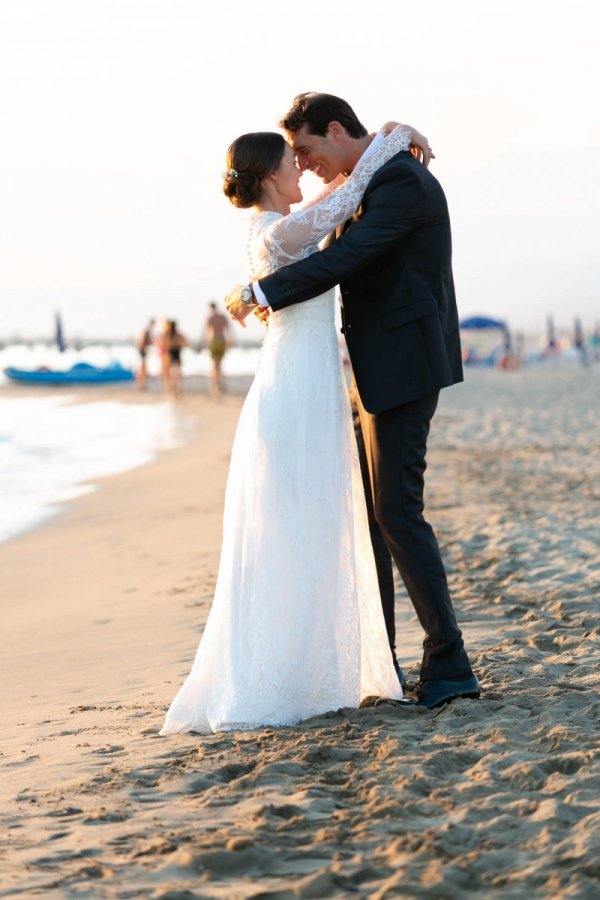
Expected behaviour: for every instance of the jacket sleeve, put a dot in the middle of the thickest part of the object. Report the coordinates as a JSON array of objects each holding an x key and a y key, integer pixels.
[{"x": 395, "y": 205}]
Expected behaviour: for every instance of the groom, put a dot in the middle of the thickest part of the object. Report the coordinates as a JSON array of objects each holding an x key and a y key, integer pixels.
[{"x": 393, "y": 264}]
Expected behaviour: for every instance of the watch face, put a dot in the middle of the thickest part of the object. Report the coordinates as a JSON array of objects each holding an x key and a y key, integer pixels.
[{"x": 246, "y": 295}]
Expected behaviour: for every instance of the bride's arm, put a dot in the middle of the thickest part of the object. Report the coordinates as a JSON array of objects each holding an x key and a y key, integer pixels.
[{"x": 288, "y": 236}]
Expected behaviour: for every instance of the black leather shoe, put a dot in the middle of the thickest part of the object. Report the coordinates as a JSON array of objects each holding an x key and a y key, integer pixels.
[
  {"x": 401, "y": 675},
  {"x": 439, "y": 691}
]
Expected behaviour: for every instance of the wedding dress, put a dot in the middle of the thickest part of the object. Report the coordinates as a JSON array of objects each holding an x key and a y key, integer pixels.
[{"x": 296, "y": 626}]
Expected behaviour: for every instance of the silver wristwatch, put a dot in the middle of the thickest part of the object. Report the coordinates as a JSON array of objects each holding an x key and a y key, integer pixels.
[{"x": 247, "y": 295}]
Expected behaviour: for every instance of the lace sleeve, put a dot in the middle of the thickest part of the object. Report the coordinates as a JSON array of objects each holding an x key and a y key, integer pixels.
[{"x": 289, "y": 236}]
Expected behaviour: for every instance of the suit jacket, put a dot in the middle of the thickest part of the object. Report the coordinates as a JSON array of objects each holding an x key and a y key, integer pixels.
[{"x": 393, "y": 265}]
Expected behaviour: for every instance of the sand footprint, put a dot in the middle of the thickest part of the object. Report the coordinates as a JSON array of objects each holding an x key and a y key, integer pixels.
[{"x": 110, "y": 749}]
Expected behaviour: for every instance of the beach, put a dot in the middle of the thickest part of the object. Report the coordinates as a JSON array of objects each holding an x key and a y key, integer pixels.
[{"x": 102, "y": 609}]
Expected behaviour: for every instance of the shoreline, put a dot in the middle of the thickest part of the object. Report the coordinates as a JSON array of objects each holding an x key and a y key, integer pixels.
[
  {"x": 119, "y": 393},
  {"x": 100, "y": 532}
]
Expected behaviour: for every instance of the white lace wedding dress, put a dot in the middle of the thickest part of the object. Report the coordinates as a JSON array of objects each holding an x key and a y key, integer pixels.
[{"x": 296, "y": 626}]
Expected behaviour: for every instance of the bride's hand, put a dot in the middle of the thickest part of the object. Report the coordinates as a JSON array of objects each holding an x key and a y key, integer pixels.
[
  {"x": 419, "y": 147},
  {"x": 389, "y": 127}
]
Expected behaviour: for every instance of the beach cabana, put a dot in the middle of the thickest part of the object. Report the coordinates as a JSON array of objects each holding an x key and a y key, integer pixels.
[
  {"x": 478, "y": 323},
  {"x": 485, "y": 341}
]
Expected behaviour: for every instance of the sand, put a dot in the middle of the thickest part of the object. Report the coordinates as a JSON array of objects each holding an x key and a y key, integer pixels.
[{"x": 102, "y": 608}]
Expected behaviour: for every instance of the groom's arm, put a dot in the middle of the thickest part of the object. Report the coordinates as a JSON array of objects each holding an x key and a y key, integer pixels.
[{"x": 395, "y": 206}]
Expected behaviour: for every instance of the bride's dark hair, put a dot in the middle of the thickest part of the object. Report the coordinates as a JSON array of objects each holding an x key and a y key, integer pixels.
[{"x": 251, "y": 158}]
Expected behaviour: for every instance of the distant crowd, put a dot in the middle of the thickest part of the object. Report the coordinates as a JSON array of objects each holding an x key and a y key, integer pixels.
[
  {"x": 166, "y": 339},
  {"x": 488, "y": 345}
]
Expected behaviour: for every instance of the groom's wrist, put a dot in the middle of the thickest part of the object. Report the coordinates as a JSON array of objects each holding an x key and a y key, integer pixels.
[
  {"x": 247, "y": 295},
  {"x": 259, "y": 294}
]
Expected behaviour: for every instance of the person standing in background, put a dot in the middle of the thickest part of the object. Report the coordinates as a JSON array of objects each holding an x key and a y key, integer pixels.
[
  {"x": 143, "y": 344},
  {"x": 170, "y": 343},
  {"x": 217, "y": 332}
]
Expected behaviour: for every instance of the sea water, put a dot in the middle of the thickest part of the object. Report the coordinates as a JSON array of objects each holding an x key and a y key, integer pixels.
[
  {"x": 239, "y": 360},
  {"x": 53, "y": 448}
]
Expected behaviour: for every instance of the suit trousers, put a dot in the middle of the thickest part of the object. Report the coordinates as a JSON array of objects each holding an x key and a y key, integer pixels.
[
  {"x": 395, "y": 445},
  {"x": 383, "y": 557}
]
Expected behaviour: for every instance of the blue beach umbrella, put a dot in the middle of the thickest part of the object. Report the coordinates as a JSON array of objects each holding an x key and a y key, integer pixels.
[{"x": 481, "y": 322}]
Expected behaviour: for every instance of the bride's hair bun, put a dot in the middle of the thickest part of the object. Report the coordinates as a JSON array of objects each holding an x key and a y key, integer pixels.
[
  {"x": 250, "y": 159},
  {"x": 242, "y": 188}
]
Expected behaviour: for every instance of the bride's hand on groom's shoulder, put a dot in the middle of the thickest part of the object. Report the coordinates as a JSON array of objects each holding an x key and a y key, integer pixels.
[
  {"x": 389, "y": 127},
  {"x": 419, "y": 145}
]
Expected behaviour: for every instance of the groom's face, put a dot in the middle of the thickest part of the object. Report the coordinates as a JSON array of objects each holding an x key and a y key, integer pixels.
[{"x": 321, "y": 154}]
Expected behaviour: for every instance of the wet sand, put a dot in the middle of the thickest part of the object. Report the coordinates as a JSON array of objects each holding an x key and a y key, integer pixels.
[{"x": 102, "y": 608}]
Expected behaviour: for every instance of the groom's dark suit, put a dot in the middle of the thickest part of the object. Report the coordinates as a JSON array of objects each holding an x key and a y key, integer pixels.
[{"x": 393, "y": 265}]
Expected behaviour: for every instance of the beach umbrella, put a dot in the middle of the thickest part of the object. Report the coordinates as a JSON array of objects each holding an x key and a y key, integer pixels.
[
  {"x": 550, "y": 332},
  {"x": 58, "y": 333},
  {"x": 480, "y": 323}
]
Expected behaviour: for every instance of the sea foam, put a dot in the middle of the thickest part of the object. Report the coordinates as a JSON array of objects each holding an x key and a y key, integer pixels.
[{"x": 52, "y": 449}]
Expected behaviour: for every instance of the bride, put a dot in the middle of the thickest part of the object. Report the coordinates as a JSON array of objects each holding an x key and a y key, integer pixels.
[{"x": 296, "y": 626}]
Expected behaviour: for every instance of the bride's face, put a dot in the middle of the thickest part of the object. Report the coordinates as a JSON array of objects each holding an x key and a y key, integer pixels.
[{"x": 287, "y": 177}]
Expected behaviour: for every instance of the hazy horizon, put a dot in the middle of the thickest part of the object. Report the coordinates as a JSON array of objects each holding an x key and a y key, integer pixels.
[{"x": 117, "y": 117}]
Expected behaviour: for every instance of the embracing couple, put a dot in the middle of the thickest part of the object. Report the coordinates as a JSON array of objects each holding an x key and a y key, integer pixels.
[{"x": 316, "y": 507}]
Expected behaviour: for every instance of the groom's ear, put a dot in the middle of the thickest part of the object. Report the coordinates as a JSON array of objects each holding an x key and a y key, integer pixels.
[{"x": 335, "y": 131}]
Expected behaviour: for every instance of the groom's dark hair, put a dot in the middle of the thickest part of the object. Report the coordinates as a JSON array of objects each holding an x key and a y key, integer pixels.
[{"x": 316, "y": 111}]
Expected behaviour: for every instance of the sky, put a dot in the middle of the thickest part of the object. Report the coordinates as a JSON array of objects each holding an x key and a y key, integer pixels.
[{"x": 117, "y": 114}]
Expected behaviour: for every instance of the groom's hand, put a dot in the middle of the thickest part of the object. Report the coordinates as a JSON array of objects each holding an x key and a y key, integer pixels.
[
  {"x": 237, "y": 310},
  {"x": 262, "y": 313}
]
